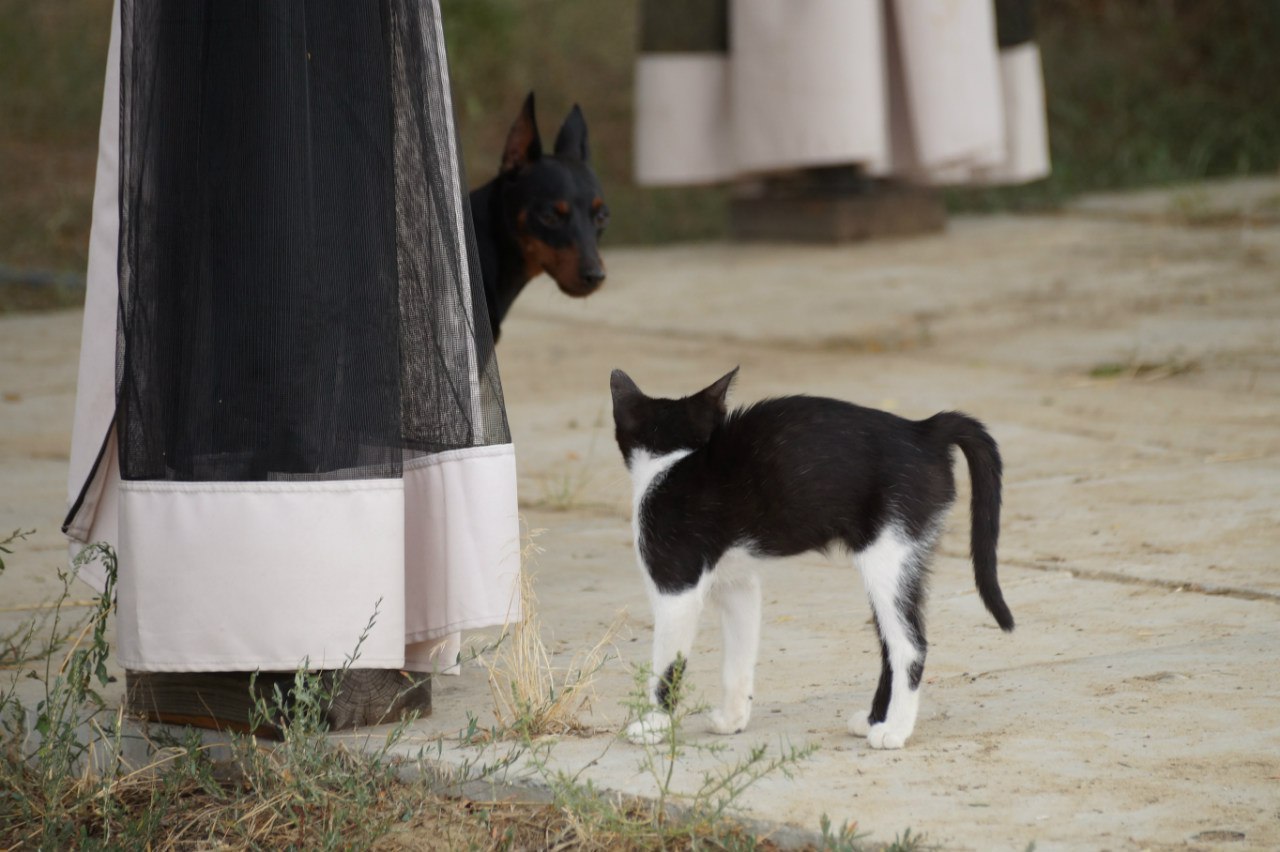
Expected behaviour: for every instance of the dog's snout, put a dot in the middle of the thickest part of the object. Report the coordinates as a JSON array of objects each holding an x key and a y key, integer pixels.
[{"x": 591, "y": 276}]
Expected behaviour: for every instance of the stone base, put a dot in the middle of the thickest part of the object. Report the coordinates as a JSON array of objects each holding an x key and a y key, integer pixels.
[{"x": 832, "y": 205}]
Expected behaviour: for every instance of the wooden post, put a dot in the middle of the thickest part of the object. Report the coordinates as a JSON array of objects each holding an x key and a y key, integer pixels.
[{"x": 223, "y": 701}]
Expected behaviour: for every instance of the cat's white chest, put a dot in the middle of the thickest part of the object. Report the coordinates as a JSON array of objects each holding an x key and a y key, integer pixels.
[{"x": 647, "y": 470}]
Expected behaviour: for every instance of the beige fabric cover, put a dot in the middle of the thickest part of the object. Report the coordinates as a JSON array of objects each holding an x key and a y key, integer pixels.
[
  {"x": 912, "y": 89},
  {"x": 265, "y": 575}
]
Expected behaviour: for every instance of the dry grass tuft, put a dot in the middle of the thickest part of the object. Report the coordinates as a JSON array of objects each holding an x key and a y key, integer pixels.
[{"x": 531, "y": 697}]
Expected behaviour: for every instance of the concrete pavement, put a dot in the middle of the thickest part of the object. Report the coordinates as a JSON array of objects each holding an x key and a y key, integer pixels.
[{"x": 1126, "y": 355}]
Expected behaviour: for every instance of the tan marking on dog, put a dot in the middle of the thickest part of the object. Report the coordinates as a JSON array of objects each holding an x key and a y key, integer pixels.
[{"x": 562, "y": 264}]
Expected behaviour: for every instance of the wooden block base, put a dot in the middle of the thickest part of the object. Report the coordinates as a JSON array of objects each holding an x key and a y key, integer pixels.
[
  {"x": 222, "y": 700},
  {"x": 832, "y": 206}
]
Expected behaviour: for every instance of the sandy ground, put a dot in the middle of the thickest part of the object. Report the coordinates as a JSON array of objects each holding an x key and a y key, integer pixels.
[{"x": 1125, "y": 354}]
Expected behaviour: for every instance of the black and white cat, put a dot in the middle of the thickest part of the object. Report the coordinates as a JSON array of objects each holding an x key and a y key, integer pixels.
[{"x": 716, "y": 492}]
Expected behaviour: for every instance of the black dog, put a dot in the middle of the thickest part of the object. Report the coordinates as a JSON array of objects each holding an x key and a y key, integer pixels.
[{"x": 540, "y": 214}]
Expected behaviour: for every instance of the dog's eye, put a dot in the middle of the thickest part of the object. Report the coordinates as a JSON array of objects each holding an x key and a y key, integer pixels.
[
  {"x": 551, "y": 218},
  {"x": 602, "y": 217}
]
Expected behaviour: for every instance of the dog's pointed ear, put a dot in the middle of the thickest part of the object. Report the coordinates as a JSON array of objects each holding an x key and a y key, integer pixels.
[
  {"x": 523, "y": 143},
  {"x": 626, "y": 395},
  {"x": 718, "y": 391},
  {"x": 571, "y": 141}
]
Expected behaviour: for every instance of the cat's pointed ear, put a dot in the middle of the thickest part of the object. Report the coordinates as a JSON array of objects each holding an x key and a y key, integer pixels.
[
  {"x": 623, "y": 386},
  {"x": 718, "y": 391},
  {"x": 626, "y": 395}
]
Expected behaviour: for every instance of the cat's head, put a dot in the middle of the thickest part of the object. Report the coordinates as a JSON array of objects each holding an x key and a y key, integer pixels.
[{"x": 660, "y": 426}]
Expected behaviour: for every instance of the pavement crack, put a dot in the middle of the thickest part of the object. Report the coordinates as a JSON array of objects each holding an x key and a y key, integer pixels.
[{"x": 1209, "y": 589}]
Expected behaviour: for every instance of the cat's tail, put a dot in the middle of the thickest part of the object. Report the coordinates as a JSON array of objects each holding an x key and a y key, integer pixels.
[{"x": 985, "y": 469}]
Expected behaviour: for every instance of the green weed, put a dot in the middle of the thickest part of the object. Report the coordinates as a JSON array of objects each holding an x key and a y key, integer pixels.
[
  {"x": 65, "y": 780},
  {"x": 52, "y": 754},
  {"x": 705, "y": 817},
  {"x": 1134, "y": 368},
  {"x": 563, "y": 487},
  {"x": 565, "y": 484},
  {"x": 6, "y": 546}
]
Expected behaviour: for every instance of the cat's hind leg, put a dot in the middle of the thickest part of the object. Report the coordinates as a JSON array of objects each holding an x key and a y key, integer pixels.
[
  {"x": 737, "y": 594},
  {"x": 893, "y": 573},
  {"x": 675, "y": 623}
]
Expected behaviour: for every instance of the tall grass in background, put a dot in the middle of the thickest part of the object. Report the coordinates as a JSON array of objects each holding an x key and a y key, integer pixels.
[
  {"x": 52, "y": 59},
  {"x": 1152, "y": 92}
]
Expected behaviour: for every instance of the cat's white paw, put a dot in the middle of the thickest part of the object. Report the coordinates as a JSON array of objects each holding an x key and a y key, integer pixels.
[
  {"x": 650, "y": 729},
  {"x": 883, "y": 736},
  {"x": 730, "y": 720},
  {"x": 859, "y": 724}
]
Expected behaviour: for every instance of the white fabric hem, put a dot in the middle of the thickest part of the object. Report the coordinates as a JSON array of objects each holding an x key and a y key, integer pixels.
[
  {"x": 230, "y": 576},
  {"x": 239, "y": 575},
  {"x": 445, "y": 632}
]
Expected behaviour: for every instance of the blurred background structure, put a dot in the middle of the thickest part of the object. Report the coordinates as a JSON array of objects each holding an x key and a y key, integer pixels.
[{"x": 1140, "y": 93}]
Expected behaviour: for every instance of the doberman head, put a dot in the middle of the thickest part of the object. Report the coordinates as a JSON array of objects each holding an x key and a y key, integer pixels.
[{"x": 542, "y": 213}]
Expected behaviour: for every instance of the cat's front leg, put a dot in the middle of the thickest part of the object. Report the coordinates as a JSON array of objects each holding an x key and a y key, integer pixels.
[
  {"x": 675, "y": 623},
  {"x": 650, "y": 729},
  {"x": 738, "y": 598},
  {"x": 860, "y": 723},
  {"x": 893, "y": 711}
]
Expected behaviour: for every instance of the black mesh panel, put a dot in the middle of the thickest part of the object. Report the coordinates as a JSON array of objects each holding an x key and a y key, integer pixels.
[{"x": 297, "y": 276}]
